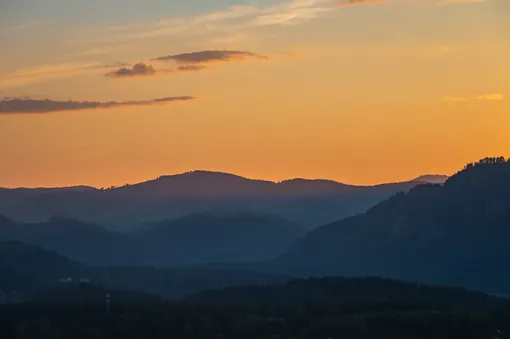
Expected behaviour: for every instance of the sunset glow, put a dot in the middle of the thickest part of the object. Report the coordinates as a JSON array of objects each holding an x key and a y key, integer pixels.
[{"x": 106, "y": 93}]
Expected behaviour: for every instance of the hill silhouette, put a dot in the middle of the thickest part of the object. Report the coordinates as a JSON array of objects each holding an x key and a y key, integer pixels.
[
  {"x": 78, "y": 240},
  {"x": 217, "y": 235},
  {"x": 308, "y": 202},
  {"x": 455, "y": 234},
  {"x": 220, "y": 235},
  {"x": 27, "y": 271}
]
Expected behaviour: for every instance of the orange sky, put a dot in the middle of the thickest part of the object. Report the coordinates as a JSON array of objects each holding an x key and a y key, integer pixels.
[{"x": 376, "y": 92}]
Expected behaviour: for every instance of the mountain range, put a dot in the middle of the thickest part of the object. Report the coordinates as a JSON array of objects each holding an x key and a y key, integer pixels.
[
  {"x": 451, "y": 233},
  {"x": 27, "y": 270},
  {"x": 310, "y": 203},
  {"x": 455, "y": 234},
  {"x": 233, "y": 236}
]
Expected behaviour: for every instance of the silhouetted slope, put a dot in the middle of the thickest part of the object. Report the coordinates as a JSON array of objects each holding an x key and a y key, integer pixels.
[
  {"x": 210, "y": 236},
  {"x": 26, "y": 270},
  {"x": 308, "y": 202},
  {"x": 218, "y": 236},
  {"x": 359, "y": 292},
  {"x": 432, "y": 179},
  {"x": 455, "y": 234},
  {"x": 76, "y": 239},
  {"x": 35, "y": 260}
]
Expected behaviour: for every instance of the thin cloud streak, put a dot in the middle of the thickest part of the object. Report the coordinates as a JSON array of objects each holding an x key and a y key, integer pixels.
[
  {"x": 139, "y": 69},
  {"x": 346, "y": 3},
  {"x": 481, "y": 97},
  {"x": 45, "y": 73},
  {"x": 32, "y": 106},
  {"x": 457, "y": 2},
  {"x": 235, "y": 18},
  {"x": 210, "y": 56},
  {"x": 491, "y": 97},
  {"x": 453, "y": 100},
  {"x": 191, "y": 68}
]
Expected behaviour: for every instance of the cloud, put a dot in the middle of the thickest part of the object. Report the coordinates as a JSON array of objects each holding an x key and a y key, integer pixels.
[
  {"x": 32, "y": 106},
  {"x": 117, "y": 64},
  {"x": 482, "y": 97},
  {"x": 233, "y": 19},
  {"x": 359, "y": 2},
  {"x": 45, "y": 72},
  {"x": 456, "y": 2},
  {"x": 453, "y": 99},
  {"x": 28, "y": 25},
  {"x": 491, "y": 97},
  {"x": 210, "y": 56},
  {"x": 191, "y": 68},
  {"x": 291, "y": 13},
  {"x": 139, "y": 69}
]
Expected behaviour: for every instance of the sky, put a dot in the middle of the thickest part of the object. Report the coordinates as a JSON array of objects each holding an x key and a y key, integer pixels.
[{"x": 109, "y": 92}]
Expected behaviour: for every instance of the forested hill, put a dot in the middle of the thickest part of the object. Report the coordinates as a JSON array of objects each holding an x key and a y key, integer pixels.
[
  {"x": 302, "y": 309},
  {"x": 454, "y": 234}
]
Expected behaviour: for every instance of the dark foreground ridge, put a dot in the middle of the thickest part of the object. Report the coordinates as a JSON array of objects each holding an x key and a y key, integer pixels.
[{"x": 308, "y": 309}]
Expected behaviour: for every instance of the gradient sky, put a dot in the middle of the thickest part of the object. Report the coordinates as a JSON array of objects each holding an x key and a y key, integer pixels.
[{"x": 362, "y": 92}]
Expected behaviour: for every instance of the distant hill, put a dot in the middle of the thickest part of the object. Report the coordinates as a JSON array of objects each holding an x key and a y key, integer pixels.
[
  {"x": 432, "y": 179},
  {"x": 308, "y": 202},
  {"x": 76, "y": 239},
  {"x": 26, "y": 271},
  {"x": 218, "y": 236},
  {"x": 455, "y": 234}
]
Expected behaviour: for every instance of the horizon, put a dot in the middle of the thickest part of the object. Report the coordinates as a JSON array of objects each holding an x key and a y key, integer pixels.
[
  {"x": 361, "y": 92},
  {"x": 225, "y": 173}
]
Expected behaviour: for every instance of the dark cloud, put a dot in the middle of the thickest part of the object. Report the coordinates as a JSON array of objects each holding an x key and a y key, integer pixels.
[
  {"x": 117, "y": 64},
  {"x": 210, "y": 56},
  {"x": 139, "y": 69},
  {"x": 345, "y": 3},
  {"x": 27, "y": 106},
  {"x": 191, "y": 68}
]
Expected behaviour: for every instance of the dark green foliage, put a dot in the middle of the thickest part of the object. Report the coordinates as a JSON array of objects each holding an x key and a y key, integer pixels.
[
  {"x": 26, "y": 270},
  {"x": 454, "y": 234},
  {"x": 359, "y": 309}
]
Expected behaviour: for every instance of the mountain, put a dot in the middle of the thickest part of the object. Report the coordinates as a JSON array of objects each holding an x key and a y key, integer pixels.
[
  {"x": 218, "y": 235},
  {"x": 308, "y": 202},
  {"x": 27, "y": 270},
  {"x": 224, "y": 235},
  {"x": 432, "y": 179},
  {"x": 455, "y": 234},
  {"x": 76, "y": 239}
]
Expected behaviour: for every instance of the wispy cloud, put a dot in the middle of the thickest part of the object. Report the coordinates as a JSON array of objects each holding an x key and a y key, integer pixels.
[
  {"x": 117, "y": 64},
  {"x": 45, "y": 73},
  {"x": 456, "y": 2},
  {"x": 233, "y": 19},
  {"x": 186, "y": 62},
  {"x": 345, "y": 3},
  {"x": 491, "y": 97},
  {"x": 481, "y": 97},
  {"x": 210, "y": 56},
  {"x": 454, "y": 100},
  {"x": 191, "y": 68},
  {"x": 139, "y": 69},
  {"x": 28, "y": 25},
  {"x": 32, "y": 106}
]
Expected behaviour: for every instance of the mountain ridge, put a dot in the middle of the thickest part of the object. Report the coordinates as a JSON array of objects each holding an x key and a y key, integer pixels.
[
  {"x": 423, "y": 234},
  {"x": 218, "y": 173}
]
